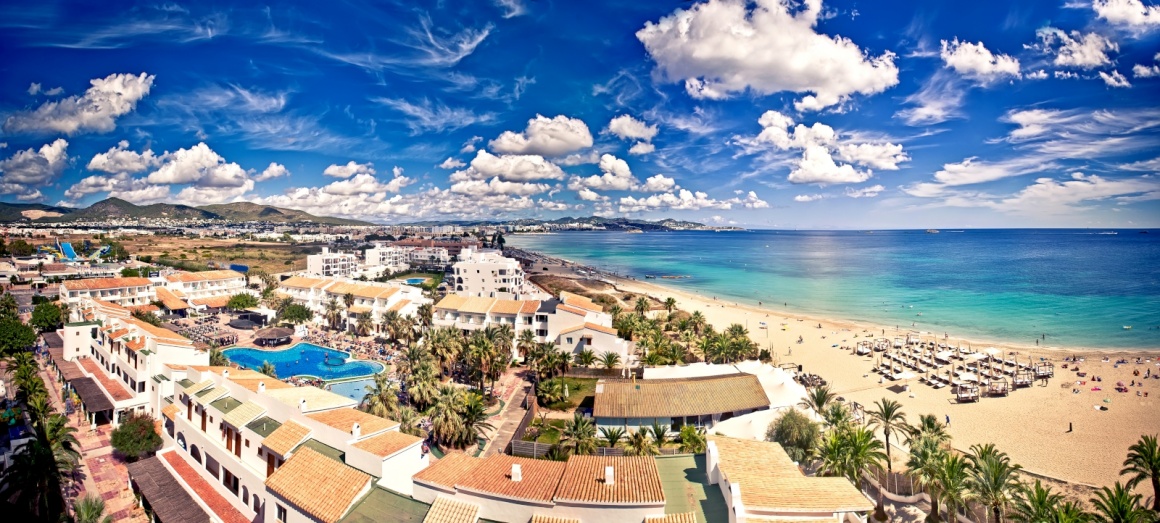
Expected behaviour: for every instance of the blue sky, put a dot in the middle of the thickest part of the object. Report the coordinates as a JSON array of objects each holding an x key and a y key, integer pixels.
[{"x": 764, "y": 114}]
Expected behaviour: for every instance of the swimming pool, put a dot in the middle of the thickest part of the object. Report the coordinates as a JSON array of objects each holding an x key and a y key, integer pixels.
[
  {"x": 416, "y": 281},
  {"x": 304, "y": 359},
  {"x": 354, "y": 389}
]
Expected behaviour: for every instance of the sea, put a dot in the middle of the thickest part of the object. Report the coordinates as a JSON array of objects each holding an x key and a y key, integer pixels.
[{"x": 1079, "y": 288}]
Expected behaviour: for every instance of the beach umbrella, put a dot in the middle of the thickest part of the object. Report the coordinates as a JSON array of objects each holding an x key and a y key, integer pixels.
[
  {"x": 967, "y": 376},
  {"x": 992, "y": 351}
]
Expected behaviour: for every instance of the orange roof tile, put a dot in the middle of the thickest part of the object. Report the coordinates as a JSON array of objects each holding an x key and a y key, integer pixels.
[
  {"x": 573, "y": 310},
  {"x": 507, "y": 307},
  {"x": 398, "y": 306},
  {"x": 635, "y": 480},
  {"x": 684, "y": 517},
  {"x": 577, "y": 300},
  {"x": 170, "y": 300},
  {"x": 387, "y": 443},
  {"x": 477, "y": 305},
  {"x": 540, "y": 518},
  {"x": 770, "y": 480},
  {"x": 116, "y": 335},
  {"x": 157, "y": 332},
  {"x": 251, "y": 384},
  {"x": 135, "y": 344},
  {"x": 447, "y": 510},
  {"x": 112, "y": 386},
  {"x": 186, "y": 277},
  {"x": 679, "y": 397},
  {"x": 448, "y": 470},
  {"x": 105, "y": 283},
  {"x": 344, "y": 419},
  {"x": 530, "y": 307},
  {"x": 322, "y": 487},
  {"x": 358, "y": 309},
  {"x": 591, "y": 326},
  {"x": 493, "y": 476},
  {"x": 213, "y": 302},
  {"x": 170, "y": 411},
  {"x": 451, "y": 301},
  {"x": 203, "y": 490},
  {"x": 286, "y": 437},
  {"x": 302, "y": 282},
  {"x": 105, "y": 306}
]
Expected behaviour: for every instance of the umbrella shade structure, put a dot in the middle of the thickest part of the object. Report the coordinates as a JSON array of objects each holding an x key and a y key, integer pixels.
[
  {"x": 967, "y": 376},
  {"x": 242, "y": 324},
  {"x": 273, "y": 336},
  {"x": 974, "y": 357},
  {"x": 905, "y": 375},
  {"x": 992, "y": 351}
]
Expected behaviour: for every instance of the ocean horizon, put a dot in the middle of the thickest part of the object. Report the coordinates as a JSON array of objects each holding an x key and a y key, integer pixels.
[{"x": 1080, "y": 287}]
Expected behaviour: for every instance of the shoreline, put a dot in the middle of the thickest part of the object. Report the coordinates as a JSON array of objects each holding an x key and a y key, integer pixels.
[{"x": 659, "y": 286}]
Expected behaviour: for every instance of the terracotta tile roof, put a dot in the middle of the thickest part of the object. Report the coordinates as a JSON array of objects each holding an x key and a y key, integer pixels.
[
  {"x": 157, "y": 332},
  {"x": 398, "y": 306},
  {"x": 684, "y": 517},
  {"x": 106, "y": 283},
  {"x": 477, "y": 305},
  {"x": 302, "y": 282},
  {"x": 135, "y": 344},
  {"x": 573, "y": 310},
  {"x": 374, "y": 291},
  {"x": 187, "y": 277},
  {"x": 769, "y": 480},
  {"x": 203, "y": 490},
  {"x": 170, "y": 300},
  {"x": 387, "y": 443},
  {"x": 679, "y": 397},
  {"x": 451, "y": 301},
  {"x": 540, "y": 518},
  {"x": 112, "y": 386},
  {"x": 286, "y": 437},
  {"x": 344, "y": 419},
  {"x": 244, "y": 413},
  {"x": 448, "y": 470},
  {"x": 447, "y": 510},
  {"x": 316, "y": 398},
  {"x": 108, "y": 306},
  {"x": 635, "y": 480},
  {"x": 213, "y": 302},
  {"x": 493, "y": 476},
  {"x": 170, "y": 411},
  {"x": 358, "y": 309},
  {"x": 178, "y": 292},
  {"x": 118, "y": 333},
  {"x": 271, "y": 383},
  {"x": 530, "y": 307},
  {"x": 507, "y": 307},
  {"x": 319, "y": 486},
  {"x": 582, "y": 302},
  {"x": 590, "y": 326}
]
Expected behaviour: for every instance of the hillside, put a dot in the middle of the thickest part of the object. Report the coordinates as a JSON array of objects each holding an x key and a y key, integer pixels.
[
  {"x": 12, "y": 212},
  {"x": 118, "y": 209},
  {"x": 252, "y": 212}
]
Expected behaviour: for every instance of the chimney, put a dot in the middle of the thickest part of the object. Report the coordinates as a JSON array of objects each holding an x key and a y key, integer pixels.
[
  {"x": 261, "y": 387},
  {"x": 226, "y": 374},
  {"x": 517, "y": 474},
  {"x": 356, "y": 430},
  {"x": 609, "y": 476},
  {"x": 302, "y": 404}
]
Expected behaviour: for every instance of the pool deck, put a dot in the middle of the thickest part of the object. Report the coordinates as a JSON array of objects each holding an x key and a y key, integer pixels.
[{"x": 349, "y": 356}]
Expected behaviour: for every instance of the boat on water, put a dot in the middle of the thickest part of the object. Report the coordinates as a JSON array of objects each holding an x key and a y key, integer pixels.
[
  {"x": 932, "y": 231},
  {"x": 1127, "y": 327}
]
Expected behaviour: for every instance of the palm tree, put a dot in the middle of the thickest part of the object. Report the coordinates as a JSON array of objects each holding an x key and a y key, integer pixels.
[
  {"x": 446, "y": 421},
  {"x": 426, "y": 314},
  {"x": 268, "y": 369},
  {"x": 612, "y": 435},
  {"x": 586, "y": 358},
  {"x": 217, "y": 358},
  {"x": 642, "y": 306},
  {"x": 1143, "y": 463},
  {"x": 332, "y": 313},
  {"x": 90, "y": 509},
  {"x": 382, "y": 397},
  {"x": 864, "y": 452},
  {"x": 526, "y": 343},
  {"x": 474, "y": 419},
  {"x": 923, "y": 465},
  {"x": 348, "y": 300},
  {"x": 888, "y": 416},
  {"x": 1035, "y": 503},
  {"x": 994, "y": 481},
  {"x": 670, "y": 304},
  {"x": 692, "y": 439},
  {"x": 928, "y": 427},
  {"x": 1069, "y": 512},
  {"x": 609, "y": 359},
  {"x": 660, "y": 434},
  {"x": 389, "y": 322},
  {"x": 579, "y": 435},
  {"x": 640, "y": 444},
  {"x": 363, "y": 324},
  {"x": 1119, "y": 505},
  {"x": 615, "y": 311},
  {"x": 952, "y": 480},
  {"x": 446, "y": 343},
  {"x": 818, "y": 398},
  {"x": 408, "y": 420}
]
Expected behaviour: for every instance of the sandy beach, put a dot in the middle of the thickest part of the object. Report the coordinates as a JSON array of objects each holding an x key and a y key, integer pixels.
[{"x": 1031, "y": 424}]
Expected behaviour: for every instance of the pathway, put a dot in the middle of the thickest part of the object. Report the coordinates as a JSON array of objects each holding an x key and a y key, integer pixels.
[{"x": 508, "y": 419}]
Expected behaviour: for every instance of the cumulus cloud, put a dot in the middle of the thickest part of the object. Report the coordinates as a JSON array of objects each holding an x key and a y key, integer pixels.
[
  {"x": 120, "y": 159},
  {"x": 495, "y": 186},
  {"x": 1075, "y": 49},
  {"x": 350, "y": 169},
  {"x": 885, "y": 156},
  {"x": 551, "y": 205},
  {"x": 23, "y": 173},
  {"x": 509, "y": 167},
  {"x": 546, "y": 137},
  {"x": 1145, "y": 71},
  {"x": 366, "y": 183},
  {"x": 452, "y": 163},
  {"x": 274, "y": 170},
  {"x": 615, "y": 176},
  {"x": 430, "y": 203},
  {"x": 469, "y": 145},
  {"x": 687, "y": 200},
  {"x": 1051, "y": 196},
  {"x": 120, "y": 185},
  {"x": 589, "y": 195},
  {"x": 658, "y": 183},
  {"x": 199, "y": 195},
  {"x": 1115, "y": 79},
  {"x": 975, "y": 61},
  {"x": 95, "y": 111},
  {"x": 579, "y": 159},
  {"x": 1037, "y": 75},
  {"x": 865, "y": 192},
  {"x": 721, "y": 48},
  {"x": 626, "y": 127},
  {"x": 818, "y": 166},
  {"x": 641, "y": 148},
  {"x": 198, "y": 164},
  {"x": 806, "y": 198},
  {"x": 36, "y": 89},
  {"x": 1132, "y": 14}
]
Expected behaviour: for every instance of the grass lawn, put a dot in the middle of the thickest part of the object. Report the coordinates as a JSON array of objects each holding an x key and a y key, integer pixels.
[
  {"x": 549, "y": 434},
  {"x": 581, "y": 393}
]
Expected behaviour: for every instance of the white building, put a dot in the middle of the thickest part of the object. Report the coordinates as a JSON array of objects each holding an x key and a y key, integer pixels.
[
  {"x": 387, "y": 258},
  {"x": 126, "y": 292},
  {"x": 488, "y": 274},
  {"x": 332, "y": 264},
  {"x": 373, "y": 298},
  {"x": 428, "y": 256},
  {"x": 207, "y": 288}
]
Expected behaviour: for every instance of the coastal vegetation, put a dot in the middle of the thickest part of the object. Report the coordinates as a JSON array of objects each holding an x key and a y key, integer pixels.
[{"x": 135, "y": 437}]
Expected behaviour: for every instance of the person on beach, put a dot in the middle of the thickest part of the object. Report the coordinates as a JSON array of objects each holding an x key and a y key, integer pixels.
[{"x": 948, "y": 420}]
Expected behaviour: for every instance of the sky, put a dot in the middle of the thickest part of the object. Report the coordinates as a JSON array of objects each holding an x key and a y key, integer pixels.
[{"x": 763, "y": 114}]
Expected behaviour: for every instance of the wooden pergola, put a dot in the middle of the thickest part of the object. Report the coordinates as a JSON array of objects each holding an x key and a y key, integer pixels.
[{"x": 967, "y": 392}]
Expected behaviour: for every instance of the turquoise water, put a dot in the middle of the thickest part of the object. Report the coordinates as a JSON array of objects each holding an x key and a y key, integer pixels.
[
  {"x": 416, "y": 281},
  {"x": 304, "y": 359},
  {"x": 354, "y": 389},
  {"x": 1078, "y": 287}
]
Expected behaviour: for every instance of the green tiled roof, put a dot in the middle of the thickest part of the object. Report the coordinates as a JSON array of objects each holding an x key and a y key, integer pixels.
[
  {"x": 325, "y": 450},
  {"x": 225, "y": 405},
  {"x": 264, "y": 426}
]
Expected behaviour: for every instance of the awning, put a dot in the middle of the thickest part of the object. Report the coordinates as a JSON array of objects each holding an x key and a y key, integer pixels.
[
  {"x": 52, "y": 340},
  {"x": 170, "y": 502},
  {"x": 91, "y": 395},
  {"x": 274, "y": 333},
  {"x": 69, "y": 370}
]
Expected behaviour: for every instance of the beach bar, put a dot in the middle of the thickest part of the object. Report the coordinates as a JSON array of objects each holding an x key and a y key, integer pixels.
[{"x": 702, "y": 402}]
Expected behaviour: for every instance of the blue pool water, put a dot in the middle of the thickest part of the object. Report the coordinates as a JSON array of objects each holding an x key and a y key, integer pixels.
[
  {"x": 416, "y": 281},
  {"x": 304, "y": 359},
  {"x": 354, "y": 390}
]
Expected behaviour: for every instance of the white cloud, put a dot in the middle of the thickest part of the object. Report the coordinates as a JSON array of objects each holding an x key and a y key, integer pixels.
[
  {"x": 198, "y": 164},
  {"x": 34, "y": 89},
  {"x": 96, "y": 110},
  {"x": 546, "y": 137},
  {"x": 658, "y": 183},
  {"x": 1065, "y": 75},
  {"x": 396, "y": 171},
  {"x": 509, "y": 167},
  {"x": 977, "y": 62},
  {"x": 589, "y": 195},
  {"x": 436, "y": 117},
  {"x": 819, "y": 144},
  {"x": 685, "y": 199},
  {"x": 1131, "y": 13},
  {"x": 865, "y": 192},
  {"x": 426, "y": 204},
  {"x": 806, "y": 198},
  {"x": 1037, "y": 75},
  {"x": 274, "y": 170},
  {"x": 198, "y": 195},
  {"x": 366, "y": 183},
  {"x": 818, "y": 166},
  {"x": 512, "y": 8},
  {"x": 1115, "y": 79},
  {"x": 971, "y": 171},
  {"x": 1075, "y": 49},
  {"x": 1152, "y": 165},
  {"x": 721, "y": 48},
  {"x": 452, "y": 163},
  {"x": 495, "y": 186},
  {"x": 350, "y": 169},
  {"x": 885, "y": 156},
  {"x": 551, "y": 205},
  {"x": 120, "y": 159},
  {"x": 120, "y": 185},
  {"x": 1145, "y": 71},
  {"x": 616, "y": 176},
  {"x": 641, "y": 148},
  {"x": 579, "y": 159},
  {"x": 1036, "y": 122},
  {"x": 626, "y": 127},
  {"x": 937, "y": 101},
  {"x": 1050, "y": 196},
  {"x": 25, "y": 172},
  {"x": 469, "y": 145}
]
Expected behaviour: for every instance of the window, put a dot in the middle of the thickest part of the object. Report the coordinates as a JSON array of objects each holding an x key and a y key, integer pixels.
[
  {"x": 281, "y": 513},
  {"x": 568, "y": 340}
]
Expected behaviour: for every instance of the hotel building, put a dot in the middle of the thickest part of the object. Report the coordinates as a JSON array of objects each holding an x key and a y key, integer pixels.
[
  {"x": 488, "y": 274},
  {"x": 332, "y": 264},
  {"x": 369, "y": 297}
]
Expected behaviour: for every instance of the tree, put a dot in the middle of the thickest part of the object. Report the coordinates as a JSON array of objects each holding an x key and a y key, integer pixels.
[
  {"x": 670, "y": 304},
  {"x": 136, "y": 437},
  {"x": 660, "y": 434},
  {"x": 217, "y": 358},
  {"x": 1119, "y": 505},
  {"x": 242, "y": 301},
  {"x": 692, "y": 439},
  {"x": 640, "y": 444},
  {"x": 147, "y": 317},
  {"x": 609, "y": 359},
  {"x": 923, "y": 465},
  {"x": 15, "y": 336},
  {"x": 992, "y": 480},
  {"x": 579, "y": 435},
  {"x": 46, "y": 317},
  {"x": 1143, "y": 463},
  {"x": 296, "y": 314},
  {"x": 952, "y": 479},
  {"x": 585, "y": 358},
  {"x": 796, "y": 433},
  {"x": 928, "y": 427},
  {"x": 446, "y": 421},
  {"x": 612, "y": 435},
  {"x": 642, "y": 306},
  {"x": 888, "y": 416},
  {"x": 8, "y": 306},
  {"x": 382, "y": 397},
  {"x": 333, "y": 313},
  {"x": 363, "y": 323},
  {"x": 269, "y": 370},
  {"x": 1035, "y": 503},
  {"x": 90, "y": 509}
]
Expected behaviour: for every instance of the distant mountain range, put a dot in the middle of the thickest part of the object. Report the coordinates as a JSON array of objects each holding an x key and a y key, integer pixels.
[
  {"x": 596, "y": 221},
  {"x": 116, "y": 208}
]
